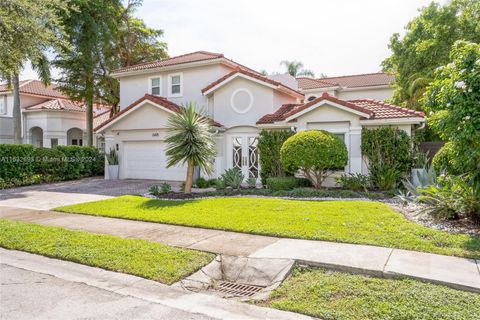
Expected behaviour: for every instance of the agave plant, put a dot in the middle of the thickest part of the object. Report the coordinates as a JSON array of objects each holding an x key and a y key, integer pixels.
[
  {"x": 190, "y": 140},
  {"x": 233, "y": 178}
]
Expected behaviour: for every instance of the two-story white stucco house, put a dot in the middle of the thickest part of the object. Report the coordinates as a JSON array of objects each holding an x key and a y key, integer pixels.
[
  {"x": 241, "y": 102},
  {"x": 49, "y": 118}
]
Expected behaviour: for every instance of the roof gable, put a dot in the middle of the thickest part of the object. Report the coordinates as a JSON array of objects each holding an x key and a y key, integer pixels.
[
  {"x": 252, "y": 76},
  {"x": 366, "y": 108},
  {"x": 156, "y": 101}
]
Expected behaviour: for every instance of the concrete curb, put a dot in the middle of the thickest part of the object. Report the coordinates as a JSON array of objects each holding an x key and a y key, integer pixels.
[
  {"x": 459, "y": 273},
  {"x": 140, "y": 288}
]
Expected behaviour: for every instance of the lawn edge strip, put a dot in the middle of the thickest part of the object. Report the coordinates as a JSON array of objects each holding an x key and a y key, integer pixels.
[
  {"x": 120, "y": 255},
  {"x": 288, "y": 291}
]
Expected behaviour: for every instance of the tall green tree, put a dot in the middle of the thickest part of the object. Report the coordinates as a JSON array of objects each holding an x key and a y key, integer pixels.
[
  {"x": 91, "y": 28},
  {"x": 190, "y": 141},
  {"x": 452, "y": 102},
  {"x": 295, "y": 68},
  {"x": 105, "y": 36},
  {"x": 426, "y": 45},
  {"x": 134, "y": 43},
  {"x": 28, "y": 29}
]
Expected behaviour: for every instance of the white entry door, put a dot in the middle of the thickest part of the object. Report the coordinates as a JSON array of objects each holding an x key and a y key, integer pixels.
[{"x": 244, "y": 155}]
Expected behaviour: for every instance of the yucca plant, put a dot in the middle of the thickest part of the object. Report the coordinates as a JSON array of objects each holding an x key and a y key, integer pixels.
[
  {"x": 112, "y": 157},
  {"x": 190, "y": 141}
]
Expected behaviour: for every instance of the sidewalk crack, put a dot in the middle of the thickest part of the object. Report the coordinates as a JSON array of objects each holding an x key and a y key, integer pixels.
[{"x": 388, "y": 259}]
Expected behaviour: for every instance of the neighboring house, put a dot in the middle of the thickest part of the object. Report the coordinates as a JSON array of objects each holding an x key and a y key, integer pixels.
[
  {"x": 241, "y": 102},
  {"x": 49, "y": 118},
  {"x": 376, "y": 86}
]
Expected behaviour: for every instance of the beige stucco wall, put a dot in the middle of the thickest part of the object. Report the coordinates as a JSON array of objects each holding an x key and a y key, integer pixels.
[
  {"x": 335, "y": 120},
  {"x": 194, "y": 80},
  {"x": 54, "y": 124},
  {"x": 147, "y": 123},
  {"x": 145, "y": 117},
  {"x": 280, "y": 98},
  {"x": 6, "y": 120},
  {"x": 351, "y": 94},
  {"x": 223, "y": 112}
]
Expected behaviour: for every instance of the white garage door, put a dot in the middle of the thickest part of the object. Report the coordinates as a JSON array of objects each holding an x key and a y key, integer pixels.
[{"x": 146, "y": 160}]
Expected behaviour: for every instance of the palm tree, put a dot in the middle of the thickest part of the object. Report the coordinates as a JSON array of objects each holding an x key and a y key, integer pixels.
[
  {"x": 190, "y": 140},
  {"x": 295, "y": 68},
  {"x": 41, "y": 66}
]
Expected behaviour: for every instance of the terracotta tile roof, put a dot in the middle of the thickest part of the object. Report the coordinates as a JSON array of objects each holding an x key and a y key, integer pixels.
[
  {"x": 37, "y": 88},
  {"x": 101, "y": 118},
  {"x": 57, "y": 104},
  {"x": 310, "y": 83},
  {"x": 382, "y": 110},
  {"x": 251, "y": 74},
  {"x": 184, "y": 58},
  {"x": 156, "y": 99},
  {"x": 278, "y": 115},
  {"x": 351, "y": 81},
  {"x": 67, "y": 105},
  {"x": 4, "y": 86},
  {"x": 373, "y": 108}
]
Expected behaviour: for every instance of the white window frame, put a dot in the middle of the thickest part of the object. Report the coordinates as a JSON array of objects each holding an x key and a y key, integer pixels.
[
  {"x": 170, "y": 76},
  {"x": 3, "y": 99},
  {"x": 159, "y": 85}
]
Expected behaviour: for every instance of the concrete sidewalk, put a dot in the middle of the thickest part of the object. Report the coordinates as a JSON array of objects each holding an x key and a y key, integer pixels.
[
  {"x": 455, "y": 272},
  {"x": 33, "y": 286}
]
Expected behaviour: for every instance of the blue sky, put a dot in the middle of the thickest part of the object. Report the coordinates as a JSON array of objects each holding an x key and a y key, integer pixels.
[{"x": 331, "y": 37}]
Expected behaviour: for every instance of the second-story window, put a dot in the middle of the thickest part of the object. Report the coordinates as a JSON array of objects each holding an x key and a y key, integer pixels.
[
  {"x": 155, "y": 86},
  {"x": 3, "y": 104},
  {"x": 175, "y": 84}
]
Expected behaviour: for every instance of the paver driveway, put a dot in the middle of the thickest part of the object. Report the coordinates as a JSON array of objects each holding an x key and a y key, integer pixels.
[{"x": 48, "y": 196}]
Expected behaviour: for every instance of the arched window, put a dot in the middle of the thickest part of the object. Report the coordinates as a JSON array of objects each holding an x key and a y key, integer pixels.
[{"x": 75, "y": 137}]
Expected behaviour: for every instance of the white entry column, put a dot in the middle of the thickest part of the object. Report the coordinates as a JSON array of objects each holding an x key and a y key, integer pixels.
[{"x": 355, "y": 149}]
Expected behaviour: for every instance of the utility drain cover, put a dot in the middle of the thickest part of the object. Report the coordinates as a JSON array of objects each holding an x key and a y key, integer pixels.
[{"x": 236, "y": 289}]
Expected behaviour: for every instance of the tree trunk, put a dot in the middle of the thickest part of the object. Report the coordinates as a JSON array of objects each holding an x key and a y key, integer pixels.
[
  {"x": 189, "y": 181},
  {"x": 17, "y": 114},
  {"x": 89, "y": 111}
]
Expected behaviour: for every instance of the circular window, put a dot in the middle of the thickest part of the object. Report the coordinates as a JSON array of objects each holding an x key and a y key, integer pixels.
[
  {"x": 311, "y": 98},
  {"x": 241, "y": 100}
]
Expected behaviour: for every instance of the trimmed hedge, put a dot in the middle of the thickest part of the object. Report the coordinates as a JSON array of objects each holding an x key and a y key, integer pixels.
[
  {"x": 287, "y": 183},
  {"x": 269, "y": 144},
  {"x": 25, "y": 164},
  {"x": 446, "y": 160},
  {"x": 16, "y": 161},
  {"x": 389, "y": 155}
]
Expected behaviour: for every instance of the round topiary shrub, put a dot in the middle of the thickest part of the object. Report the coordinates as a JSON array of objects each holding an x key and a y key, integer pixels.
[
  {"x": 445, "y": 160},
  {"x": 315, "y": 154}
]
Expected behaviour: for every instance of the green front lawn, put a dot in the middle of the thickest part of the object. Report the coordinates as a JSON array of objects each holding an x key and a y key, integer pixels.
[
  {"x": 335, "y": 295},
  {"x": 138, "y": 257},
  {"x": 360, "y": 222}
]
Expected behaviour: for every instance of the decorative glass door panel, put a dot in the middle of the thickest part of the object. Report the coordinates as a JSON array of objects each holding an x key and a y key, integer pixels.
[
  {"x": 245, "y": 155},
  {"x": 237, "y": 153},
  {"x": 252, "y": 162}
]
